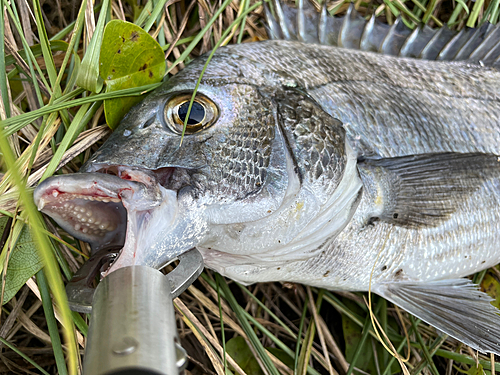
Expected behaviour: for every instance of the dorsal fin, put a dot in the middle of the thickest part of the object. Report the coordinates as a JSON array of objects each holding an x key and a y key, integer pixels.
[
  {"x": 436, "y": 44},
  {"x": 416, "y": 41},
  {"x": 373, "y": 35},
  {"x": 479, "y": 35},
  {"x": 488, "y": 46},
  {"x": 352, "y": 29},
  {"x": 481, "y": 45},
  {"x": 455, "y": 44},
  {"x": 395, "y": 38},
  {"x": 307, "y": 19}
]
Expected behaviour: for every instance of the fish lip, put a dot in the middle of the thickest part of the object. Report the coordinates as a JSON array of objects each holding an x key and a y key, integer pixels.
[
  {"x": 83, "y": 185},
  {"x": 101, "y": 196},
  {"x": 88, "y": 206},
  {"x": 161, "y": 175}
]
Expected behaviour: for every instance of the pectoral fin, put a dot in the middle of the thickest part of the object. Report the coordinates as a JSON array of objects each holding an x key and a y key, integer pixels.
[
  {"x": 424, "y": 190},
  {"x": 455, "y": 307}
]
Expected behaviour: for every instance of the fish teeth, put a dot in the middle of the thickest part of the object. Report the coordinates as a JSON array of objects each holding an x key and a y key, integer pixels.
[
  {"x": 70, "y": 196},
  {"x": 41, "y": 204}
]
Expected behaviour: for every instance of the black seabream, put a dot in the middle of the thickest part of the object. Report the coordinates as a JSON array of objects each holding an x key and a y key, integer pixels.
[{"x": 341, "y": 150}]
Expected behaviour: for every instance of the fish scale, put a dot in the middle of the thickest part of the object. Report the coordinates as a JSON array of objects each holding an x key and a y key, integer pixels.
[{"x": 319, "y": 164}]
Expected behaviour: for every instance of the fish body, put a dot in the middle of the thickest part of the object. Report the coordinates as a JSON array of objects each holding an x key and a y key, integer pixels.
[{"x": 332, "y": 167}]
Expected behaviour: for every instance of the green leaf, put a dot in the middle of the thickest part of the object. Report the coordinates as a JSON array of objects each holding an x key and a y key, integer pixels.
[
  {"x": 24, "y": 262},
  {"x": 464, "y": 5},
  {"x": 88, "y": 74},
  {"x": 491, "y": 286},
  {"x": 130, "y": 57},
  {"x": 238, "y": 349},
  {"x": 4, "y": 90},
  {"x": 474, "y": 370},
  {"x": 353, "y": 335},
  {"x": 282, "y": 356}
]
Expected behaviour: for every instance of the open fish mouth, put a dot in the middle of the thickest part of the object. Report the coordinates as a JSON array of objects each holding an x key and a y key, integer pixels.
[{"x": 116, "y": 207}]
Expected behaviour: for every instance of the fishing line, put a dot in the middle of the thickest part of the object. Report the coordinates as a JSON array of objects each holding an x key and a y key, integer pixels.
[
  {"x": 222, "y": 41},
  {"x": 375, "y": 322}
]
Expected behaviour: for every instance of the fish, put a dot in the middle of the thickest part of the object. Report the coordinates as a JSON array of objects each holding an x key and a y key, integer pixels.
[{"x": 342, "y": 153}]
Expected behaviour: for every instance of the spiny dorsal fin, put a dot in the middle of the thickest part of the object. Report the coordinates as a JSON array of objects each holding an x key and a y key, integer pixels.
[
  {"x": 373, "y": 35},
  {"x": 307, "y": 18},
  {"x": 455, "y": 44},
  {"x": 395, "y": 38},
  {"x": 284, "y": 19},
  {"x": 355, "y": 32},
  {"x": 416, "y": 41},
  {"x": 488, "y": 46},
  {"x": 432, "y": 49},
  {"x": 352, "y": 29},
  {"x": 479, "y": 35}
]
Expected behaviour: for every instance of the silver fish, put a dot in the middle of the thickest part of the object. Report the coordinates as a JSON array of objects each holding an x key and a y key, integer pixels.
[{"x": 339, "y": 168}]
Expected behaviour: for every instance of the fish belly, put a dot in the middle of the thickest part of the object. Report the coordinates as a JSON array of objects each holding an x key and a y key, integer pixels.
[{"x": 465, "y": 243}]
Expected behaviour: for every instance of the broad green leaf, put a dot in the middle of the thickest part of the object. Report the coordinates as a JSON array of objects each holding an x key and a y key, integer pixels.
[
  {"x": 238, "y": 349},
  {"x": 474, "y": 370},
  {"x": 24, "y": 262},
  {"x": 352, "y": 336},
  {"x": 282, "y": 356},
  {"x": 130, "y": 57},
  {"x": 491, "y": 286}
]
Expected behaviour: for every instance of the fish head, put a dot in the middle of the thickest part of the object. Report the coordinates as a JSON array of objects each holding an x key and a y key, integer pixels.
[{"x": 161, "y": 188}]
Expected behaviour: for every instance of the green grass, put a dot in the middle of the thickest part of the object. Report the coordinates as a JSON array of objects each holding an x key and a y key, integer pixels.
[{"x": 51, "y": 125}]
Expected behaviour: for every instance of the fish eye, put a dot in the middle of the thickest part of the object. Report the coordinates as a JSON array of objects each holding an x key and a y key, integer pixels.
[{"x": 203, "y": 113}]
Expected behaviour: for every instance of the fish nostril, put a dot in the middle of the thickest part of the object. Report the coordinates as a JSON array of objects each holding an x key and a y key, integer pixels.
[{"x": 148, "y": 122}]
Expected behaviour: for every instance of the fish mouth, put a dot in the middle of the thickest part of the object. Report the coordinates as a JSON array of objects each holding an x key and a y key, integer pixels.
[{"x": 115, "y": 207}]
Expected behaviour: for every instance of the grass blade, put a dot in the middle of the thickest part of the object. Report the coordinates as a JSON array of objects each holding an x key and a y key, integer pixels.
[
  {"x": 242, "y": 317},
  {"x": 24, "y": 356},
  {"x": 4, "y": 90},
  {"x": 51, "y": 323},
  {"x": 53, "y": 273}
]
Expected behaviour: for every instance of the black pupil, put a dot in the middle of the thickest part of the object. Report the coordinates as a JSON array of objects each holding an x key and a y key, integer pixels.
[{"x": 196, "y": 115}]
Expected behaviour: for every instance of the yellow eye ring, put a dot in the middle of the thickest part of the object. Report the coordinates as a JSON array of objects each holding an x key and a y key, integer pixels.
[{"x": 203, "y": 113}]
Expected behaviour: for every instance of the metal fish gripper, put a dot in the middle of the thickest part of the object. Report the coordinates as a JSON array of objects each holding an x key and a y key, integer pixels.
[{"x": 132, "y": 329}]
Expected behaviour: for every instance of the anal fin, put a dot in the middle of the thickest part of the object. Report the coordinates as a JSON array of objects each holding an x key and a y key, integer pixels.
[{"x": 456, "y": 307}]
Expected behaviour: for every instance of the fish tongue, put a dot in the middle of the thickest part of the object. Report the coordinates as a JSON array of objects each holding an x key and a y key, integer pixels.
[{"x": 148, "y": 221}]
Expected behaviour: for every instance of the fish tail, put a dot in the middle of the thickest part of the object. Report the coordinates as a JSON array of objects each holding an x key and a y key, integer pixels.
[{"x": 305, "y": 24}]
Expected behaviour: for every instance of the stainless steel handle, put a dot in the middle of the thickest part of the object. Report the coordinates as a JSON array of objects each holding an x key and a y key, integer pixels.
[{"x": 132, "y": 327}]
